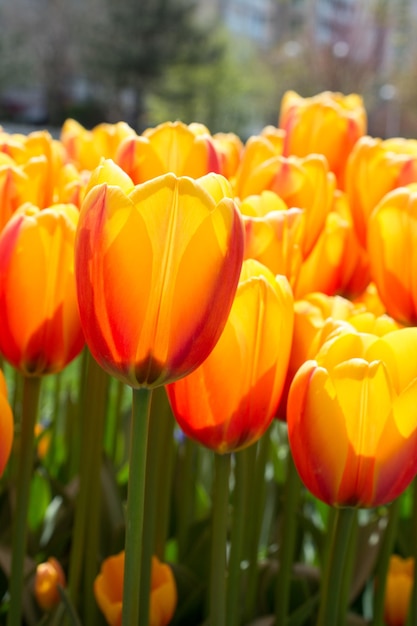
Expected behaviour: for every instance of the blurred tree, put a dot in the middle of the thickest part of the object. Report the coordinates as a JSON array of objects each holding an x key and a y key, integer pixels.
[
  {"x": 136, "y": 43},
  {"x": 41, "y": 36},
  {"x": 229, "y": 95}
]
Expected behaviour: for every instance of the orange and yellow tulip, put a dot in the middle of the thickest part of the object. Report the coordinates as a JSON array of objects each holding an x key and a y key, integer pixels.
[
  {"x": 258, "y": 149},
  {"x": 49, "y": 577},
  {"x": 305, "y": 183},
  {"x": 337, "y": 262},
  {"x": 40, "y": 326},
  {"x": 108, "y": 591},
  {"x": 399, "y": 584},
  {"x": 230, "y": 400},
  {"x": 6, "y": 425},
  {"x": 170, "y": 147},
  {"x": 150, "y": 261},
  {"x": 392, "y": 239},
  {"x": 374, "y": 168},
  {"x": 273, "y": 234},
  {"x": 229, "y": 147},
  {"x": 86, "y": 148},
  {"x": 328, "y": 123},
  {"x": 360, "y": 394}
]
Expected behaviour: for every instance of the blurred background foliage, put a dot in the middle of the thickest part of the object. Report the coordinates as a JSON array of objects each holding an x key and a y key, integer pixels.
[{"x": 224, "y": 63}]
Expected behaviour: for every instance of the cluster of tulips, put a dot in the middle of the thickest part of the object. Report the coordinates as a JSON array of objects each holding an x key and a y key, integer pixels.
[{"x": 260, "y": 300}]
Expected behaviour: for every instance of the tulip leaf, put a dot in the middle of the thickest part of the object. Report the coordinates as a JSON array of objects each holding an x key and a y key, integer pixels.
[
  {"x": 190, "y": 592},
  {"x": 369, "y": 541},
  {"x": 40, "y": 497}
]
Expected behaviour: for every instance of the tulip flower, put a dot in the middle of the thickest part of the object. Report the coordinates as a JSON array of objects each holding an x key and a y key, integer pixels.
[
  {"x": 328, "y": 123},
  {"x": 86, "y": 148},
  {"x": 273, "y": 234},
  {"x": 400, "y": 580},
  {"x": 392, "y": 238},
  {"x": 230, "y": 147},
  {"x": 40, "y": 158},
  {"x": 316, "y": 317},
  {"x": 305, "y": 183},
  {"x": 230, "y": 400},
  {"x": 170, "y": 147},
  {"x": 40, "y": 326},
  {"x": 6, "y": 425},
  {"x": 150, "y": 261},
  {"x": 258, "y": 149},
  {"x": 374, "y": 168},
  {"x": 359, "y": 393},
  {"x": 108, "y": 591},
  {"x": 371, "y": 299},
  {"x": 14, "y": 185},
  {"x": 49, "y": 577},
  {"x": 337, "y": 262}
]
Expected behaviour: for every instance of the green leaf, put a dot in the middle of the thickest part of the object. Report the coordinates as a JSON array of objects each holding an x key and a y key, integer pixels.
[{"x": 40, "y": 497}]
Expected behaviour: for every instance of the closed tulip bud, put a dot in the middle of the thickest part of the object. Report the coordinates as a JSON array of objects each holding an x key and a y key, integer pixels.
[
  {"x": 399, "y": 584},
  {"x": 392, "y": 236},
  {"x": 108, "y": 591},
  {"x": 170, "y": 147},
  {"x": 39, "y": 321},
  {"x": 230, "y": 400},
  {"x": 328, "y": 123},
  {"x": 150, "y": 261},
  {"x": 48, "y": 578},
  {"x": 374, "y": 168},
  {"x": 351, "y": 417}
]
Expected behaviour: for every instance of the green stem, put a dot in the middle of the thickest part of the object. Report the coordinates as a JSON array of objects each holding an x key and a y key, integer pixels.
[
  {"x": 256, "y": 504},
  {"x": 346, "y": 586},
  {"x": 136, "y": 587},
  {"x": 332, "y": 581},
  {"x": 30, "y": 405},
  {"x": 187, "y": 493},
  {"x": 155, "y": 465},
  {"x": 234, "y": 607},
  {"x": 84, "y": 550},
  {"x": 383, "y": 563},
  {"x": 94, "y": 435},
  {"x": 412, "y": 614},
  {"x": 218, "y": 567},
  {"x": 287, "y": 542},
  {"x": 166, "y": 444}
]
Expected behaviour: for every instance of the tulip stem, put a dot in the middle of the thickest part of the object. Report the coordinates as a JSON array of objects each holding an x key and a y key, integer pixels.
[
  {"x": 287, "y": 541},
  {"x": 187, "y": 451},
  {"x": 165, "y": 424},
  {"x": 258, "y": 456},
  {"x": 30, "y": 405},
  {"x": 412, "y": 613},
  {"x": 234, "y": 606},
  {"x": 84, "y": 550},
  {"x": 219, "y": 539},
  {"x": 136, "y": 586},
  {"x": 155, "y": 465},
  {"x": 332, "y": 581},
  {"x": 383, "y": 563},
  {"x": 96, "y": 415}
]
